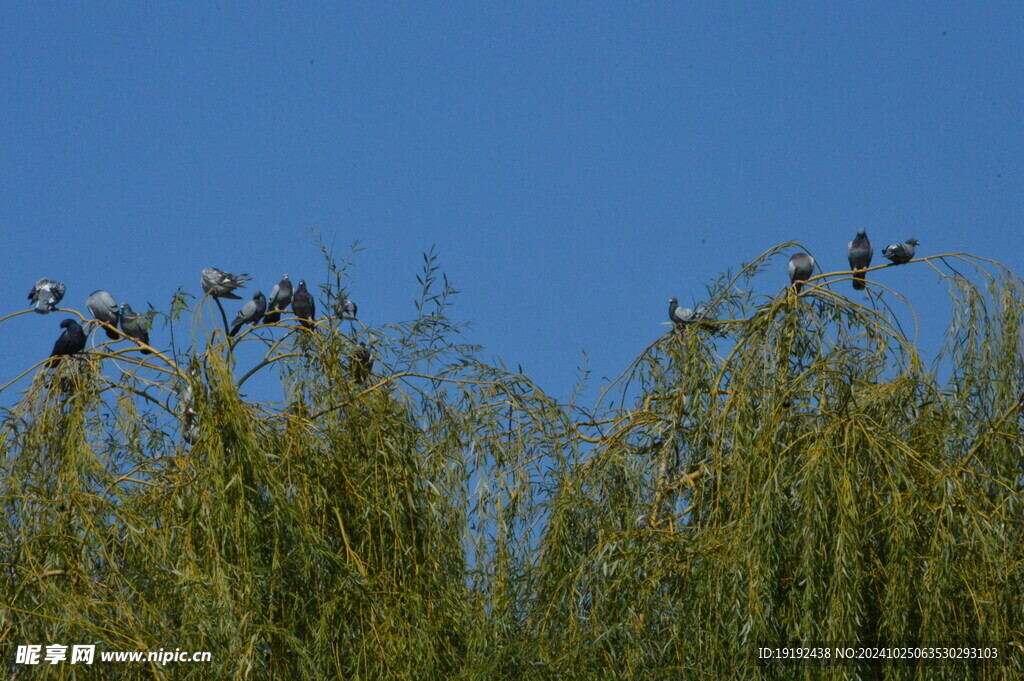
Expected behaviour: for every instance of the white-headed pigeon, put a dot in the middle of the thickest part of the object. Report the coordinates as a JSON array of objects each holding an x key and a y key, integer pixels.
[
  {"x": 251, "y": 312},
  {"x": 280, "y": 299},
  {"x": 304, "y": 306},
  {"x": 70, "y": 342},
  {"x": 221, "y": 284},
  {"x": 900, "y": 254},
  {"x": 801, "y": 267},
  {"x": 684, "y": 316},
  {"x": 104, "y": 309},
  {"x": 859, "y": 252},
  {"x": 46, "y": 294},
  {"x": 134, "y": 326}
]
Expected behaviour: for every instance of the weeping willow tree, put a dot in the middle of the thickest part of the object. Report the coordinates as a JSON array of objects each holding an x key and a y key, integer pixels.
[
  {"x": 148, "y": 504},
  {"x": 791, "y": 470},
  {"x": 796, "y": 473}
]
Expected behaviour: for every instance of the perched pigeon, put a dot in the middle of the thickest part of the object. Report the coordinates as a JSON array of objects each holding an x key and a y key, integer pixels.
[
  {"x": 801, "y": 267},
  {"x": 71, "y": 341},
  {"x": 361, "y": 364},
  {"x": 134, "y": 326},
  {"x": 190, "y": 434},
  {"x": 104, "y": 309},
  {"x": 900, "y": 254},
  {"x": 251, "y": 312},
  {"x": 280, "y": 299},
  {"x": 187, "y": 412},
  {"x": 222, "y": 284},
  {"x": 349, "y": 309},
  {"x": 304, "y": 306},
  {"x": 684, "y": 316},
  {"x": 46, "y": 294},
  {"x": 860, "y": 252}
]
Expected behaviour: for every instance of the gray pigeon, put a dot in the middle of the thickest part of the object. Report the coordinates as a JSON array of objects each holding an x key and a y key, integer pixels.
[
  {"x": 684, "y": 316},
  {"x": 190, "y": 434},
  {"x": 361, "y": 364},
  {"x": 187, "y": 412},
  {"x": 859, "y": 252},
  {"x": 104, "y": 309},
  {"x": 801, "y": 267},
  {"x": 70, "y": 342},
  {"x": 349, "y": 309},
  {"x": 134, "y": 326},
  {"x": 900, "y": 254},
  {"x": 280, "y": 299},
  {"x": 251, "y": 312},
  {"x": 304, "y": 306},
  {"x": 221, "y": 284},
  {"x": 46, "y": 294}
]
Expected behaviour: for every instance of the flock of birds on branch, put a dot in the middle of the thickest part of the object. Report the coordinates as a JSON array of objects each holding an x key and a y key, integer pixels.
[
  {"x": 47, "y": 293},
  {"x": 801, "y": 267}
]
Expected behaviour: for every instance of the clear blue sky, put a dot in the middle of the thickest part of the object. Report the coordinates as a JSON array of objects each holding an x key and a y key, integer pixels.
[{"x": 576, "y": 164}]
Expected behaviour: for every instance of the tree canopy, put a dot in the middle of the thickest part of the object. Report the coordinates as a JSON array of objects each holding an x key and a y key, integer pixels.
[{"x": 790, "y": 469}]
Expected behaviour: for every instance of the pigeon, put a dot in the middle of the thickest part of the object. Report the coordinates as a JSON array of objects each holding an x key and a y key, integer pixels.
[
  {"x": 46, "y": 294},
  {"x": 901, "y": 254},
  {"x": 801, "y": 267},
  {"x": 859, "y": 252},
  {"x": 280, "y": 299},
  {"x": 187, "y": 411},
  {"x": 190, "y": 434},
  {"x": 349, "y": 309},
  {"x": 251, "y": 312},
  {"x": 684, "y": 316},
  {"x": 304, "y": 306},
  {"x": 134, "y": 326},
  {"x": 104, "y": 309},
  {"x": 361, "y": 364},
  {"x": 222, "y": 284},
  {"x": 71, "y": 341}
]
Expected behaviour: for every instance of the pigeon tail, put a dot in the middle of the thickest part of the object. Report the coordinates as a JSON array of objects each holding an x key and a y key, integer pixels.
[
  {"x": 142, "y": 337},
  {"x": 858, "y": 281}
]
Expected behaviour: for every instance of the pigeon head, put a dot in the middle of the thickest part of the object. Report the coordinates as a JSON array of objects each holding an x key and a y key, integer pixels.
[
  {"x": 285, "y": 277},
  {"x": 302, "y": 284},
  {"x": 913, "y": 242},
  {"x": 861, "y": 232},
  {"x": 69, "y": 324},
  {"x": 126, "y": 308},
  {"x": 257, "y": 294},
  {"x": 673, "y": 301}
]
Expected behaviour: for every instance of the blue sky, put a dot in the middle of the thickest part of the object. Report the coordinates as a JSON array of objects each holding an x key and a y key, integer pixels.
[{"x": 576, "y": 164}]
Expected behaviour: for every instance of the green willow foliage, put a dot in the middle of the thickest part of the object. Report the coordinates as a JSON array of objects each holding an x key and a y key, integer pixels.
[{"x": 793, "y": 472}]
